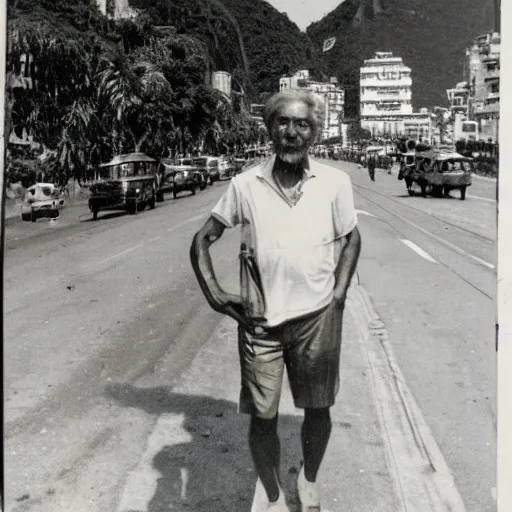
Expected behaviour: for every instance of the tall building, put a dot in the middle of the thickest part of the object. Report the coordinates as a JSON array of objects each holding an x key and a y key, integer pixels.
[
  {"x": 334, "y": 97},
  {"x": 459, "y": 98},
  {"x": 221, "y": 80},
  {"x": 386, "y": 99},
  {"x": 483, "y": 76}
]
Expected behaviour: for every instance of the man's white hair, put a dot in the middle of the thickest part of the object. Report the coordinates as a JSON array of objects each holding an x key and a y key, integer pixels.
[{"x": 314, "y": 102}]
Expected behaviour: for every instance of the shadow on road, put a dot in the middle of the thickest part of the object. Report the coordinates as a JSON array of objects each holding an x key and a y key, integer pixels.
[
  {"x": 104, "y": 216},
  {"x": 216, "y": 462}
]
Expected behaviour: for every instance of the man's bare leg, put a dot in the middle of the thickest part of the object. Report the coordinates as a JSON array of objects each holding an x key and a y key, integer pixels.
[
  {"x": 316, "y": 431},
  {"x": 265, "y": 449}
]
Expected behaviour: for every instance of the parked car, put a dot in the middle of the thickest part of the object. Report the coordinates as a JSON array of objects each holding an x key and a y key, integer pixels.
[
  {"x": 209, "y": 166},
  {"x": 128, "y": 182},
  {"x": 202, "y": 176},
  {"x": 42, "y": 200},
  {"x": 227, "y": 168},
  {"x": 177, "y": 178}
]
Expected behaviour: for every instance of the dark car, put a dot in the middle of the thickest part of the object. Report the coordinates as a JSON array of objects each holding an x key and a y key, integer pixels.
[{"x": 127, "y": 182}]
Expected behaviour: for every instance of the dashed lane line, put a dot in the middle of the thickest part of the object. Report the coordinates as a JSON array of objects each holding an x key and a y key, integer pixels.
[
  {"x": 438, "y": 238},
  {"x": 362, "y": 212},
  {"x": 489, "y": 199},
  {"x": 418, "y": 250},
  {"x": 122, "y": 253}
]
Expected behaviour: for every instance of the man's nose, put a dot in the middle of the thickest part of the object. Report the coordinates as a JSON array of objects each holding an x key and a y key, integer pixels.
[{"x": 291, "y": 130}]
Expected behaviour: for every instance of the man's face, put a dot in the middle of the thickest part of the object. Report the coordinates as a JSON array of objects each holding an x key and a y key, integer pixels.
[{"x": 292, "y": 132}]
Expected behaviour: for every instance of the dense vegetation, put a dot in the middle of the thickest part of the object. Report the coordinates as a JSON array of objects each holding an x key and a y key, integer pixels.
[
  {"x": 430, "y": 35},
  {"x": 248, "y": 38},
  {"x": 101, "y": 87}
]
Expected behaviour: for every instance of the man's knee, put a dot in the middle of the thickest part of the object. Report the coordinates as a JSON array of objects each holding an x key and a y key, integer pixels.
[
  {"x": 263, "y": 427},
  {"x": 320, "y": 415}
]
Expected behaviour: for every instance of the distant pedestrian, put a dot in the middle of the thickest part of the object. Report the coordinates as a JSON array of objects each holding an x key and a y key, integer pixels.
[
  {"x": 300, "y": 246},
  {"x": 372, "y": 164}
]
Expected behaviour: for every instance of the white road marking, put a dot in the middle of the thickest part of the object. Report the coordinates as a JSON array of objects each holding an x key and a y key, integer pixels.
[
  {"x": 482, "y": 198},
  {"x": 362, "y": 212},
  {"x": 484, "y": 178},
  {"x": 154, "y": 239},
  {"x": 188, "y": 221},
  {"x": 418, "y": 250},
  {"x": 121, "y": 253},
  {"x": 450, "y": 245}
]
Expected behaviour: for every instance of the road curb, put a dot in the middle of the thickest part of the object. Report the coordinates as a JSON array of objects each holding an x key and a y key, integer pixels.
[{"x": 411, "y": 445}]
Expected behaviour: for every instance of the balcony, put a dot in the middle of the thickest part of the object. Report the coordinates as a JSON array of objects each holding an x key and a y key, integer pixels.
[
  {"x": 492, "y": 74},
  {"x": 377, "y": 82}
]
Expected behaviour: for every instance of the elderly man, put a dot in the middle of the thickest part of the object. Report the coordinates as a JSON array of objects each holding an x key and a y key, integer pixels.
[{"x": 299, "y": 235}]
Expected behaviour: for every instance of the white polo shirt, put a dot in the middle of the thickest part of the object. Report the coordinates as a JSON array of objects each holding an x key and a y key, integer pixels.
[{"x": 297, "y": 246}]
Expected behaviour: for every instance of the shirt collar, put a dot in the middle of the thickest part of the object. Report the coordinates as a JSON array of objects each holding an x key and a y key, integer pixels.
[{"x": 267, "y": 167}]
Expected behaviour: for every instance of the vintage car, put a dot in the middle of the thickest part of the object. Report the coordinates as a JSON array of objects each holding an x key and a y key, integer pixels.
[
  {"x": 438, "y": 171},
  {"x": 41, "y": 200},
  {"x": 209, "y": 166},
  {"x": 127, "y": 182},
  {"x": 176, "y": 178},
  {"x": 227, "y": 167}
]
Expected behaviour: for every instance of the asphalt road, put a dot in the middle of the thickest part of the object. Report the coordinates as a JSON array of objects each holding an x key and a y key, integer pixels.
[{"x": 91, "y": 304}]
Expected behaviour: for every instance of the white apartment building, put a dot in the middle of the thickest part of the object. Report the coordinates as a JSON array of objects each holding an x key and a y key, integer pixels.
[
  {"x": 483, "y": 74},
  {"x": 334, "y": 97},
  {"x": 458, "y": 98},
  {"x": 385, "y": 94}
]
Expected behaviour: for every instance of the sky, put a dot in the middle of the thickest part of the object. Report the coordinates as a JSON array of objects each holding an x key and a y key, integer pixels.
[{"x": 304, "y": 12}]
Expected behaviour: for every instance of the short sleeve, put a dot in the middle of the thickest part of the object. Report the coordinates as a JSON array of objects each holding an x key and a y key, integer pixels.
[
  {"x": 228, "y": 209},
  {"x": 345, "y": 216}
]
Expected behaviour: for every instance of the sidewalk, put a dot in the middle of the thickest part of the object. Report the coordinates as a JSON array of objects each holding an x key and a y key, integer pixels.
[{"x": 380, "y": 457}]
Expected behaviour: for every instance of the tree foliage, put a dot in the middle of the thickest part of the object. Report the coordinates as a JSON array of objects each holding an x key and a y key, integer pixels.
[{"x": 94, "y": 88}]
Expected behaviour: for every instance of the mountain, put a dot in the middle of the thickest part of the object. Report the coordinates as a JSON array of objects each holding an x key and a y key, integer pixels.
[
  {"x": 430, "y": 36},
  {"x": 248, "y": 38}
]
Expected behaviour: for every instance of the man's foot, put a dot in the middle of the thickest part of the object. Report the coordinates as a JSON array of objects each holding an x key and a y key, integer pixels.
[
  {"x": 308, "y": 493},
  {"x": 279, "y": 505}
]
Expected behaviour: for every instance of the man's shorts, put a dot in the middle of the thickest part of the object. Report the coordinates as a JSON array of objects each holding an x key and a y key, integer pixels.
[{"x": 310, "y": 348}]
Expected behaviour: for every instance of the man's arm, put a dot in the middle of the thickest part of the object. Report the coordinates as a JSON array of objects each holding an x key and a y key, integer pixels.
[
  {"x": 219, "y": 300},
  {"x": 347, "y": 265}
]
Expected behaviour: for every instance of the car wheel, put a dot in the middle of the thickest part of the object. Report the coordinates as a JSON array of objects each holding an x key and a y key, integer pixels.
[
  {"x": 25, "y": 216},
  {"x": 132, "y": 207},
  {"x": 33, "y": 216}
]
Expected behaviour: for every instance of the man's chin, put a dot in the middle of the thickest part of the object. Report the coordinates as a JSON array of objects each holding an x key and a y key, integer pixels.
[{"x": 292, "y": 158}]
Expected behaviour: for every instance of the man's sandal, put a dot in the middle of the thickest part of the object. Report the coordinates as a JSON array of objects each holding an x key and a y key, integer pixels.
[{"x": 308, "y": 494}]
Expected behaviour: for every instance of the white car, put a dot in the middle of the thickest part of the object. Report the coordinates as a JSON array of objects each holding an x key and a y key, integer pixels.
[{"x": 42, "y": 200}]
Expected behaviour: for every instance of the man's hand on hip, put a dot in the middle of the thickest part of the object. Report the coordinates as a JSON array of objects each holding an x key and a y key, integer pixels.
[{"x": 231, "y": 305}]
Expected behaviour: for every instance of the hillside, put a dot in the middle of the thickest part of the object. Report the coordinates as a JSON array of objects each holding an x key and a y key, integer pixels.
[
  {"x": 248, "y": 38},
  {"x": 430, "y": 36}
]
